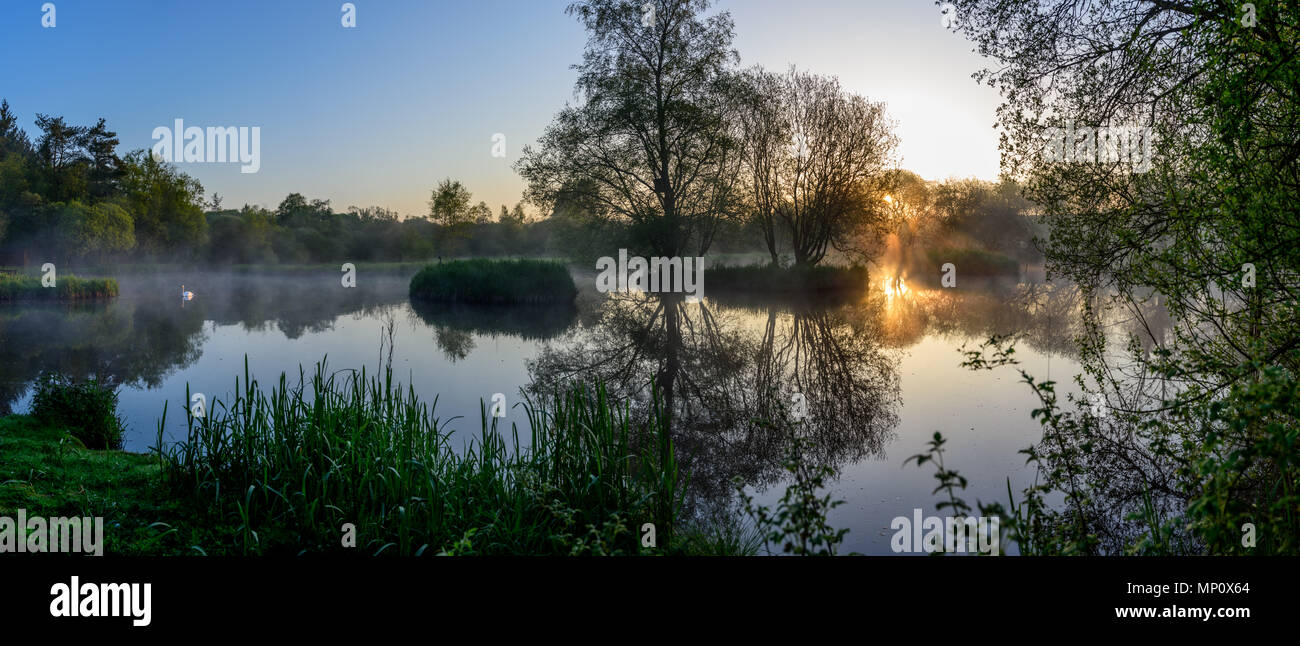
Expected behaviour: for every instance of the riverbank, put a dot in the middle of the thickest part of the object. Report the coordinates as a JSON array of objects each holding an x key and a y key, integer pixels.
[
  {"x": 366, "y": 469},
  {"x": 48, "y": 474}
]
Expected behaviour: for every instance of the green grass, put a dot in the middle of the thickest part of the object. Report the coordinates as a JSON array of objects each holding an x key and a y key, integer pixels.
[
  {"x": 770, "y": 279},
  {"x": 285, "y": 471},
  {"x": 282, "y": 472},
  {"x": 66, "y": 288},
  {"x": 48, "y": 473},
  {"x": 494, "y": 282}
]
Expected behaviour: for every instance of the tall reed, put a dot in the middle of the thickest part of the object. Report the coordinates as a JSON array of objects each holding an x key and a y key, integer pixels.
[
  {"x": 284, "y": 471},
  {"x": 66, "y": 288}
]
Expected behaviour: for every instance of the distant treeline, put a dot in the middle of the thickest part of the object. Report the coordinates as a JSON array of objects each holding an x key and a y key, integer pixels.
[{"x": 68, "y": 197}]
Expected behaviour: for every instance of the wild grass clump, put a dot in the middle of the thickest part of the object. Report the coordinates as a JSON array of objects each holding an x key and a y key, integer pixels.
[
  {"x": 495, "y": 282},
  {"x": 85, "y": 410},
  {"x": 284, "y": 472},
  {"x": 66, "y": 288},
  {"x": 794, "y": 279}
]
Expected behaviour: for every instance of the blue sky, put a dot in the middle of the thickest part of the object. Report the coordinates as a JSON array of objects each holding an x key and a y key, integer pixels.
[{"x": 376, "y": 115}]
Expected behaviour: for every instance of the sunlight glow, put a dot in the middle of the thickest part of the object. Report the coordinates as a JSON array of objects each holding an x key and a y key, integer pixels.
[{"x": 895, "y": 287}]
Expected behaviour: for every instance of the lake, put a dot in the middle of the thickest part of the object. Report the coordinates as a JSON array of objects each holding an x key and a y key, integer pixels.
[{"x": 875, "y": 374}]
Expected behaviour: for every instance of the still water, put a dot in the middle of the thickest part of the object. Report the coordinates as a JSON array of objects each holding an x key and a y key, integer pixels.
[{"x": 878, "y": 373}]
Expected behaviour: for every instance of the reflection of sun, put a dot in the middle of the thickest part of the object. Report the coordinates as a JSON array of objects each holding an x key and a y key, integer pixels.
[
  {"x": 889, "y": 198},
  {"x": 895, "y": 287}
]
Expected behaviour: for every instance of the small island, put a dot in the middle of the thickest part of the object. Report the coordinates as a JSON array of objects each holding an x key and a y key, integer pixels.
[
  {"x": 495, "y": 282},
  {"x": 19, "y": 287}
]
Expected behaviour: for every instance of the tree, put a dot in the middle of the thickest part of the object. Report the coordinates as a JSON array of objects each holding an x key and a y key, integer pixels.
[
  {"x": 105, "y": 170},
  {"x": 63, "y": 161},
  {"x": 817, "y": 159},
  {"x": 449, "y": 205},
  {"x": 98, "y": 230},
  {"x": 291, "y": 205},
  {"x": 480, "y": 213},
  {"x": 650, "y": 142},
  {"x": 1215, "y": 192},
  {"x": 165, "y": 204},
  {"x": 1200, "y": 217},
  {"x": 12, "y": 137}
]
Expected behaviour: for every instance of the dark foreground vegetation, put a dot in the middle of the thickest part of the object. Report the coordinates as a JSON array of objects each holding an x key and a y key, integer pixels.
[{"x": 493, "y": 282}]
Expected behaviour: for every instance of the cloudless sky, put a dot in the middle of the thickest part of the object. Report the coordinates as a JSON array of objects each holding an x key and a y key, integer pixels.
[{"x": 377, "y": 114}]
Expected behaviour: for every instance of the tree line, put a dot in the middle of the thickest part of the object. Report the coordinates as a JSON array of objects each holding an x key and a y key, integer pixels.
[{"x": 67, "y": 196}]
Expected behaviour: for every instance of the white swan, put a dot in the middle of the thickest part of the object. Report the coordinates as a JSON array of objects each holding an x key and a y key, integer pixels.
[{"x": 186, "y": 296}]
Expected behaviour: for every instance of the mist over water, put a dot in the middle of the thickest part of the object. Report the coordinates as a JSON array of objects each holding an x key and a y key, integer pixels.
[{"x": 880, "y": 371}]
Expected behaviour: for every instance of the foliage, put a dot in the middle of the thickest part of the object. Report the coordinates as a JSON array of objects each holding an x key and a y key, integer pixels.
[
  {"x": 284, "y": 471},
  {"x": 86, "y": 410},
  {"x": 817, "y": 159},
  {"x": 1238, "y": 479},
  {"x": 798, "y": 522},
  {"x": 495, "y": 281},
  {"x": 1199, "y": 225},
  {"x": 649, "y": 144}
]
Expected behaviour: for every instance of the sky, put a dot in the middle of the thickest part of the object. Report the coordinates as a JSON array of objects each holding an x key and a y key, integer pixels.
[{"x": 377, "y": 114}]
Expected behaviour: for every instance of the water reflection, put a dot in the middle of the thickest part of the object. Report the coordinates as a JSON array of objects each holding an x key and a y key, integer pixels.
[
  {"x": 724, "y": 365},
  {"x": 146, "y": 333},
  {"x": 725, "y": 371},
  {"x": 454, "y": 325}
]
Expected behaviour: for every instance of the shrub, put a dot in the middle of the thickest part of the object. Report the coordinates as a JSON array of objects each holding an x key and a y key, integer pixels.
[{"x": 87, "y": 410}]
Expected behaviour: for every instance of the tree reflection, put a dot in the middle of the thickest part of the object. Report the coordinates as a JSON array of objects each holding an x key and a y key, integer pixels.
[
  {"x": 454, "y": 325},
  {"x": 126, "y": 343},
  {"x": 723, "y": 373}
]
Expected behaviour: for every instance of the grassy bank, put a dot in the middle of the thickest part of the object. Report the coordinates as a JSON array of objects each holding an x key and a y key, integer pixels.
[
  {"x": 47, "y": 472},
  {"x": 802, "y": 280},
  {"x": 283, "y": 471},
  {"x": 494, "y": 282},
  {"x": 66, "y": 288}
]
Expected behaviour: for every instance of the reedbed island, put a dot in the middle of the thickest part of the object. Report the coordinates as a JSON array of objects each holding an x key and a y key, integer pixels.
[{"x": 16, "y": 286}]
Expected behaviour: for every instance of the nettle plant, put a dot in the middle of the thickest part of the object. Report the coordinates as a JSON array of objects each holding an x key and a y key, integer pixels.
[
  {"x": 798, "y": 522},
  {"x": 1208, "y": 472}
]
